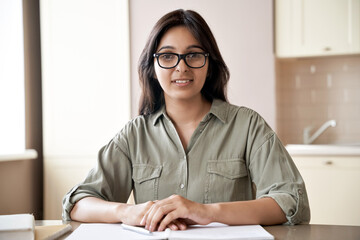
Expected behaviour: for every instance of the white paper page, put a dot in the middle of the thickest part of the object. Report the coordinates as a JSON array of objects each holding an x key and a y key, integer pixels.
[
  {"x": 218, "y": 231},
  {"x": 213, "y": 231},
  {"x": 107, "y": 231}
]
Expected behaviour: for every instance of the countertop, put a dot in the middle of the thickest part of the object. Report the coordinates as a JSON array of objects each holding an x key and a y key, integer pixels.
[{"x": 323, "y": 150}]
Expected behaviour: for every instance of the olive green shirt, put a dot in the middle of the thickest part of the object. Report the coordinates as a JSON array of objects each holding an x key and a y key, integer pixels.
[{"x": 233, "y": 155}]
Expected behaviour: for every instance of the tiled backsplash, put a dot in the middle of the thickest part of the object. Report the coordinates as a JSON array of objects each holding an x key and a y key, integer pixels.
[{"x": 311, "y": 91}]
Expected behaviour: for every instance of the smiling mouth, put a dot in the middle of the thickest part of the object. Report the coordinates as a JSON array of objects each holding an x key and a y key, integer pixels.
[{"x": 181, "y": 81}]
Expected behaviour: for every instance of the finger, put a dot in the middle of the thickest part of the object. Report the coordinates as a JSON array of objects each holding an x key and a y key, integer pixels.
[
  {"x": 146, "y": 217},
  {"x": 158, "y": 214},
  {"x": 149, "y": 215},
  {"x": 170, "y": 217},
  {"x": 143, "y": 220},
  {"x": 149, "y": 221},
  {"x": 173, "y": 226},
  {"x": 157, "y": 203},
  {"x": 181, "y": 225}
]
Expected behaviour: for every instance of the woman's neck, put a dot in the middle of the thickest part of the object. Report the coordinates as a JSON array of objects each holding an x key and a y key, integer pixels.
[{"x": 183, "y": 112}]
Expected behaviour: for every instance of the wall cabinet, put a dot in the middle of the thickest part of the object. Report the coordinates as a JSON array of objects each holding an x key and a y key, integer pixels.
[
  {"x": 317, "y": 27},
  {"x": 333, "y": 186}
]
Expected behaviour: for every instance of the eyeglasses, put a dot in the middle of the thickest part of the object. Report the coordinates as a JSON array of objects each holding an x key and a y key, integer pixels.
[{"x": 171, "y": 60}]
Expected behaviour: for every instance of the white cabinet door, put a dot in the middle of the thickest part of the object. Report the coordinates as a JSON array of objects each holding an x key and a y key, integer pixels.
[
  {"x": 317, "y": 27},
  {"x": 333, "y": 186}
]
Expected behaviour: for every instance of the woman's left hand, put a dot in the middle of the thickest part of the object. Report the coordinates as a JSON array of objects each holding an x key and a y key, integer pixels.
[{"x": 175, "y": 209}]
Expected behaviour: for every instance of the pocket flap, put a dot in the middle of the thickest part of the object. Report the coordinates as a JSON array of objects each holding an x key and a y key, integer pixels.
[
  {"x": 231, "y": 168},
  {"x": 144, "y": 172}
]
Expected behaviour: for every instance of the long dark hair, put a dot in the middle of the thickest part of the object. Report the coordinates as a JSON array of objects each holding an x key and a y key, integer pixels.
[{"x": 152, "y": 97}]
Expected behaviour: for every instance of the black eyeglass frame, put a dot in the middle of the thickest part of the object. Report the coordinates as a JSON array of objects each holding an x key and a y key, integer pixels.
[{"x": 180, "y": 56}]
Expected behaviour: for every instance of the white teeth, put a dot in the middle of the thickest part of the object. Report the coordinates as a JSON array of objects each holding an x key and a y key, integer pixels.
[{"x": 182, "y": 81}]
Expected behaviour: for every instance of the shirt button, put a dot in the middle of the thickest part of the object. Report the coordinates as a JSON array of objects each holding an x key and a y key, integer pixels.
[
  {"x": 300, "y": 192},
  {"x": 201, "y": 130},
  {"x": 182, "y": 186}
]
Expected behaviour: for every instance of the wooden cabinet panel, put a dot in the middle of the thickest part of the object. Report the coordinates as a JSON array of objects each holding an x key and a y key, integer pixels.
[{"x": 317, "y": 27}]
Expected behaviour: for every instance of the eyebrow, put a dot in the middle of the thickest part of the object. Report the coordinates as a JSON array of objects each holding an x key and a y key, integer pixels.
[{"x": 189, "y": 47}]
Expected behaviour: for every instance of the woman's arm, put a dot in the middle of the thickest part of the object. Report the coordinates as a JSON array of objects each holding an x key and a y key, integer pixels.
[
  {"x": 91, "y": 209},
  {"x": 263, "y": 211}
]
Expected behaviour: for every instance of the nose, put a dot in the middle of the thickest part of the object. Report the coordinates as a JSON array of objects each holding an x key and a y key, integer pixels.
[{"x": 182, "y": 67}]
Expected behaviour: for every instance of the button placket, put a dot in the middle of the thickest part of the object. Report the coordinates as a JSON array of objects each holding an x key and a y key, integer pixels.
[{"x": 183, "y": 180}]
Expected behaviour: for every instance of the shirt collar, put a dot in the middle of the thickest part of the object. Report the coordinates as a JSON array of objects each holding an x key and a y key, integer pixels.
[
  {"x": 158, "y": 114},
  {"x": 218, "y": 109}
]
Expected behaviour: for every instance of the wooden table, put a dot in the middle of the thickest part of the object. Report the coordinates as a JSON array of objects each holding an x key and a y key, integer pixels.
[{"x": 280, "y": 232}]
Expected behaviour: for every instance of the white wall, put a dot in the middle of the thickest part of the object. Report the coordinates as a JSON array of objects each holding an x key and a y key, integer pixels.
[
  {"x": 244, "y": 32},
  {"x": 85, "y": 68},
  {"x": 86, "y": 88}
]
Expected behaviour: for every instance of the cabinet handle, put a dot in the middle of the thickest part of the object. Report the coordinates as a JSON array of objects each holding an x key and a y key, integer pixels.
[
  {"x": 328, "y": 162},
  {"x": 327, "y": 49}
]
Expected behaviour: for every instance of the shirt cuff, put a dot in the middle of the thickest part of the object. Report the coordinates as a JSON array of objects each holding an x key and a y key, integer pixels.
[
  {"x": 70, "y": 200},
  {"x": 296, "y": 208}
]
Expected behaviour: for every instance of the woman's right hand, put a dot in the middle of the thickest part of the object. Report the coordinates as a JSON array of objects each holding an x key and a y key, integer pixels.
[
  {"x": 133, "y": 214},
  {"x": 91, "y": 209}
]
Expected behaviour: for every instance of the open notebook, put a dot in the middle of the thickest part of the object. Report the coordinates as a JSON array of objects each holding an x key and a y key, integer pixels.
[{"x": 213, "y": 231}]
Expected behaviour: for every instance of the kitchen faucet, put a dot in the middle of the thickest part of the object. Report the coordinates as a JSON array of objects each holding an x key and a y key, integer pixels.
[{"x": 308, "y": 139}]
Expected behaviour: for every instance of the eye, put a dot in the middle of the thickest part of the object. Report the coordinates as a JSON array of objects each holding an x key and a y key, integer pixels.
[
  {"x": 194, "y": 56},
  {"x": 167, "y": 57}
]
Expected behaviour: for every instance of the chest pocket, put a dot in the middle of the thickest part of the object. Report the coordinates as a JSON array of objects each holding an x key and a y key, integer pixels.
[
  {"x": 226, "y": 180},
  {"x": 146, "y": 182}
]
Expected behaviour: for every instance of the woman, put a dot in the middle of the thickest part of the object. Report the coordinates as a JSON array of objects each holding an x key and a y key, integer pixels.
[{"x": 190, "y": 157}]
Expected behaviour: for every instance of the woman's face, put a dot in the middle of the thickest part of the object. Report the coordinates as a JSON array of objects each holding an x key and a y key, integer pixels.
[{"x": 181, "y": 82}]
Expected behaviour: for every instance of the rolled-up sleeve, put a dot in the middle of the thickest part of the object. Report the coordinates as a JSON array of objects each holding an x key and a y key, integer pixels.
[
  {"x": 275, "y": 175},
  {"x": 110, "y": 180}
]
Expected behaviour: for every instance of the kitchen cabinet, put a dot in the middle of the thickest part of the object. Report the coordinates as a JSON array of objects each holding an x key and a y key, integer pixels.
[
  {"x": 317, "y": 27},
  {"x": 333, "y": 186}
]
